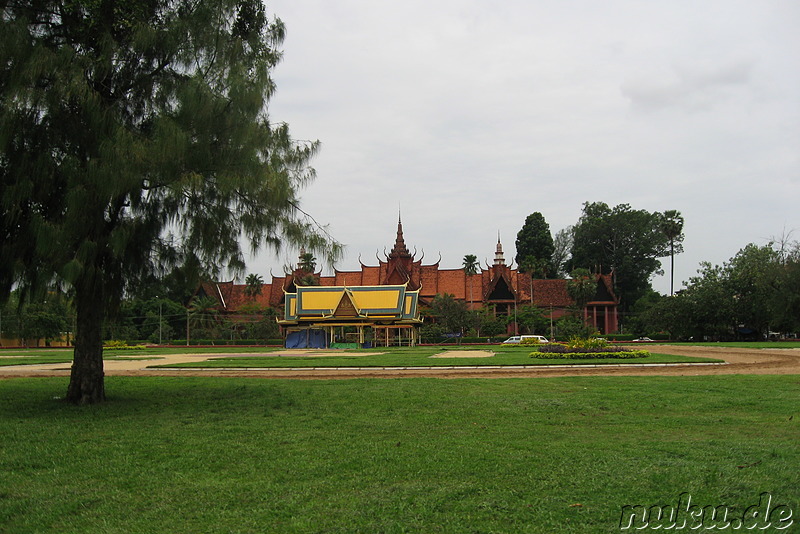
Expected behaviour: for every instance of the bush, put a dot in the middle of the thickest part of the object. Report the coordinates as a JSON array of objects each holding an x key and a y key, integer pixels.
[
  {"x": 621, "y": 353},
  {"x": 584, "y": 344},
  {"x": 121, "y": 345}
]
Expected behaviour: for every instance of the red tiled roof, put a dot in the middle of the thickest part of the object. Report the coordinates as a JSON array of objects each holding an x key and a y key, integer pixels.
[
  {"x": 546, "y": 293},
  {"x": 430, "y": 280},
  {"x": 452, "y": 281},
  {"x": 370, "y": 275},
  {"x": 550, "y": 293}
]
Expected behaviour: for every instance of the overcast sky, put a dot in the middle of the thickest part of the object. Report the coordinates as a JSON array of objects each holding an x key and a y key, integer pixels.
[{"x": 471, "y": 115}]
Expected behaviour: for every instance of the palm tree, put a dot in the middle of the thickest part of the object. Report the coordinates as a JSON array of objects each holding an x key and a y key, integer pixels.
[
  {"x": 308, "y": 263},
  {"x": 672, "y": 228},
  {"x": 253, "y": 284},
  {"x": 470, "y": 269},
  {"x": 581, "y": 287},
  {"x": 203, "y": 312}
]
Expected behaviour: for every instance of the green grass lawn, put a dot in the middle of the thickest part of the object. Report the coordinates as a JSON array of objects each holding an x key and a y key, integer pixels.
[
  {"x": 392, "y": 357},
  {"x": 35, "y": 356},
  {"x": 414, "y": 455},
  {"x": 420, "y": 357}
]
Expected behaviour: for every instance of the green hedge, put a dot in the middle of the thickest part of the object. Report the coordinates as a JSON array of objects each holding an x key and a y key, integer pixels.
[
  {"x": 230, "y": 342},
  {"x": 215, "y": 342},
  {"x": 122, "y": 345},
  {"x": 589, "y": 355},
  {"x": 438, "y": 340},
  {"x": 484, "y": 339},
  {"x": 619, "y": 337}
]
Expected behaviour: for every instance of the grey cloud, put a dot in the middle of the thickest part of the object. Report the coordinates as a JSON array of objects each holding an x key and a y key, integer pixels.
[{"x": 688, "y": 87}]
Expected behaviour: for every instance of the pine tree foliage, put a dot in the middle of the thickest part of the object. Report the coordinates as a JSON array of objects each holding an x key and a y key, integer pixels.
[
  {"x": 535, "y": 246},
  {"x": 135, "y": 133}
]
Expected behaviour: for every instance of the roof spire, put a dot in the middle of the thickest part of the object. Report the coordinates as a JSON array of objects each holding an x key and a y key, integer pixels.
[
  {"x": 498, "y": 254},
  {"x": 399, "y": 249}
]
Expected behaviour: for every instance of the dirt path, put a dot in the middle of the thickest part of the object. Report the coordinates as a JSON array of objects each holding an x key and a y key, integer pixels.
[{"x": 738, "y": 361}]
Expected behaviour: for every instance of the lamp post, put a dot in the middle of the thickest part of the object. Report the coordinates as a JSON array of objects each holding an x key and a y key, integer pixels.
[
  {"x": 159, "y": 320},
  {"x": 516, "y": 327}
]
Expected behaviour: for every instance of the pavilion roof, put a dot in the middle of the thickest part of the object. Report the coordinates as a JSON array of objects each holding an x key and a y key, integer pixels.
[{"x": 335, "y": 303}]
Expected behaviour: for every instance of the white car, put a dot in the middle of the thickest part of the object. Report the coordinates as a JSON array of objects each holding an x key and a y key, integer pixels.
[{"x": 515, "y": 340}]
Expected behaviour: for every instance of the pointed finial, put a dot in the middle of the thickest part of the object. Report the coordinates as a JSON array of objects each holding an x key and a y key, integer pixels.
[{"x": 498, "y": 254}]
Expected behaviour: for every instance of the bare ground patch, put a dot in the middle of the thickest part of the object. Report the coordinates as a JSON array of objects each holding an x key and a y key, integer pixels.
[{"x": 464, "y": 354}]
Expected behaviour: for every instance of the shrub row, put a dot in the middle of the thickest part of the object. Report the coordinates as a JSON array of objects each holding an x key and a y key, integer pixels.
[
  {"x": 121, "y": 345},
  {"x": 438, "y": 340},
  {"x": 219, "y": 342},
  {"x": 573, "y": 347},
  {"x": 228, "y": 342},
  {"x": 631, "y": 337},
  {"x": 624, "y": 354},
  {"x": 483, "y": 339}
]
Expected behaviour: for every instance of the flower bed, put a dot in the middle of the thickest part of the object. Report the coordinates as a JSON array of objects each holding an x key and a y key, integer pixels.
[
  {"x": 622, "y": 354},
  {"x": 586, "y": 349}
]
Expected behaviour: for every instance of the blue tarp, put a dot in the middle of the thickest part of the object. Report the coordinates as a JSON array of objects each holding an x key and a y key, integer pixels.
[{"x": 306, "y": 339}]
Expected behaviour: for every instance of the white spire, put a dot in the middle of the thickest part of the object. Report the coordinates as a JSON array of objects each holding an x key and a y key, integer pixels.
[{"x": 498, "y": 254}]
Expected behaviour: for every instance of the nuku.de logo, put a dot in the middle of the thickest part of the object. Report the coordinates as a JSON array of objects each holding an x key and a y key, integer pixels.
[{"x": 685, "y": 515}]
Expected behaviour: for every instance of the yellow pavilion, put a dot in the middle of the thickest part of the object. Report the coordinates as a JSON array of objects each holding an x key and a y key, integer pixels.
[{"x": 325, "y": 316}]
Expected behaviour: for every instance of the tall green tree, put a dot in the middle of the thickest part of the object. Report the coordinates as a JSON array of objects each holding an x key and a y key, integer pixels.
[
  {"x": 786, "y": 307},
  {"x": 672, "y": 227},
  {"x": 470, "y": 269},
  {"x": 622, "y": 241},
  {"x": 535, "y": 241},
  {"x": 135, "y": 134},
  {"x": 753, "y": 280},
  {"x": 562, "y": 245}
]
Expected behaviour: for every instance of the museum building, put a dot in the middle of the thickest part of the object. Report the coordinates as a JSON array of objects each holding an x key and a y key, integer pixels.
[{"x": 399, "y": 283}]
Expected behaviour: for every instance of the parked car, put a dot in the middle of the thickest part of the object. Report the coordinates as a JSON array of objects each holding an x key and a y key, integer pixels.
[
  {"x": 643, "y": 340},
  {"x": 515, "y": 340}
]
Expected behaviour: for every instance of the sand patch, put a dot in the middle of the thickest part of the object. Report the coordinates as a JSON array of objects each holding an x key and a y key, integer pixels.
[{"x": 464, "y": 354}]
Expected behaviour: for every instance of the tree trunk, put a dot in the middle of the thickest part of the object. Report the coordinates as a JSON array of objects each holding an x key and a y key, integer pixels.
[{"x": 86, "y": 383}]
